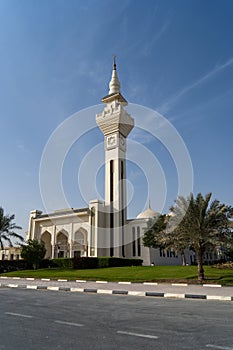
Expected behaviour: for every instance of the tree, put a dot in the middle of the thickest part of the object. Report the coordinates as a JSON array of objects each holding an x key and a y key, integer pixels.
[
  {"x": 198, "y": 224},
  {"x": 7, "y": 229},
  {"x": 157, "y": 236},
  {"x": 153, "y": 232},
  {"x": 33, "y": 252},
  {"x": 193, "y": 223},
  {"x": 228, "y": 254}
]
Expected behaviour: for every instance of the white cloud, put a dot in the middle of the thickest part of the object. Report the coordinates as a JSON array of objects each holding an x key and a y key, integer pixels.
[
  {"x": 171, "y": 101},
  {"x": 142, "y": 137},
  {"x": 146, "y": 50},
  {"x": 22, "y": 148}
]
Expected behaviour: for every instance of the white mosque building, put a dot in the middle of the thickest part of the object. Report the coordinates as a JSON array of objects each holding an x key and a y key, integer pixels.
[{"x": 102, "y": 228}]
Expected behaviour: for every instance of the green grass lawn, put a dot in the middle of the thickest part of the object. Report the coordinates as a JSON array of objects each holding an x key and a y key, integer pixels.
[{"x": 133, "y": 274}]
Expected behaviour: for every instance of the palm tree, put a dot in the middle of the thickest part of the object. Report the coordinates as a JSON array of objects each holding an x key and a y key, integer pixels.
[
  {"x": 201, "y": 225},
  {"x": 7, "y": 229},
  {"x": 157, "y": 235},
  {"x": 154, "y": 231}
]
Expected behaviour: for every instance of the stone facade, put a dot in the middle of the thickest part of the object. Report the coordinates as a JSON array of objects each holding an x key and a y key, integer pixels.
[{"x": 10, "y": 253}]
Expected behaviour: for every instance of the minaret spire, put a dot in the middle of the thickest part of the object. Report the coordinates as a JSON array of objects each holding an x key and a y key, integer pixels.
[
  {"x": 149, "y": 206},
  {"x": 114, "y": 93},
  {"x": 114, "y": 62},
  {"x": 114, "y": 85}
]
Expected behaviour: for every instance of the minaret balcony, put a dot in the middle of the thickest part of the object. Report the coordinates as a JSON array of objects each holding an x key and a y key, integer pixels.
[{"x": 114, "y": 118}]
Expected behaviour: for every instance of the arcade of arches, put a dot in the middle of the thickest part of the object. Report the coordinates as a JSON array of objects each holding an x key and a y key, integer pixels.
[{"x": 62, "y": 247}]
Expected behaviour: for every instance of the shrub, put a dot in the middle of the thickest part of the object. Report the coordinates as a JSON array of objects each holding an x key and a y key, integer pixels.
[
  {"x": 103, "y": 262},
  {"x": 85, "y": 263},
  {"x": 33, "y": 252},
  {"x": 13, "y": 265},
  {"x": 226, "y": 265},
  {"x": 120, "y": 262},
  {"x": 65, "y": 263},
  {"x": 45, "y": 263}
]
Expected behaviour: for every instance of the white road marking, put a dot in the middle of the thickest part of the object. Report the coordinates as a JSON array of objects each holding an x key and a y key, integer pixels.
[
  {"x": 31, "y": 287},
  {"x": 61, "y": 280},
  {"x": 12, "y": 285},
  {"x": 76, "y": 289},
  {"x": 150, "y": 283},
  {"x": 53, "y": 288},
  {"x": 81, "y": 281},
  {"x": 218, "y": 297},
  {"x": 69, "y": 323},
  {"x": 219, "y": 347},
  {"x": 180, "y": 284},
  {"x": 104, "y": 291},
  {"x": 212, "y": 285},
  {"x": 45, "y": 279},
  {"x": 138, "y": 335},
  {"x": 101, "y": 281},
  {"x": 173, "y": 295},
  {"x": 19, "y": 315},
  {"x": 124, "y": 282},
  {"x": 30, "y": 279},
  {"x": 139, "y": 294}
]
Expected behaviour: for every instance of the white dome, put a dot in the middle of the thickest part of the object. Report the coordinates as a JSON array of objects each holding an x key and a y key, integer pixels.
[{"x": 148, "y": 214}]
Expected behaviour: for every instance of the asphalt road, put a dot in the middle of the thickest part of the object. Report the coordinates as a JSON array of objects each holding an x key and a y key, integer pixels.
[{"x": 49, "y": 320}]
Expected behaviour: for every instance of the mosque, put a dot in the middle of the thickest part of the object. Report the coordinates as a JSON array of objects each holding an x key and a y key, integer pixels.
[{"x": 102, "y": 228}]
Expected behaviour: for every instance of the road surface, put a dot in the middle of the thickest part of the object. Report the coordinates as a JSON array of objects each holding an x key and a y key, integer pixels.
[{"x": 32, "y": 319}]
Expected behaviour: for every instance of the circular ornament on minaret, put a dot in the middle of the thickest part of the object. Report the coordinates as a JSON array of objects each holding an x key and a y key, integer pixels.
[{"x": 111, "y": 141}]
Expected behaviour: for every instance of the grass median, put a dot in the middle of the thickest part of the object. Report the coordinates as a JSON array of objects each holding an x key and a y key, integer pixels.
[{"x": 169, "y": 274}]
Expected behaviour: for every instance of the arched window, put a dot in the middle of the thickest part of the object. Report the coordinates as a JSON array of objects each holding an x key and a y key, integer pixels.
[
  {"x": 46, "y": 238},
  {"x": 80, "y": 243},
  {"x": 79, "y": 238},
  {"x": 62, "y": 244}
]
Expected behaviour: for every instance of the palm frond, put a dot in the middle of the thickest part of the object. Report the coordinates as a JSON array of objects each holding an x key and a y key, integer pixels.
[{"x": 7, "y": 229}]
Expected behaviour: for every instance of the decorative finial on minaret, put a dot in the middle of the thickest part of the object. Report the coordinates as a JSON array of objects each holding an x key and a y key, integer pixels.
[
  {"x": 149, "y": 207},
  {"x": 114, "y": 62},
  {"x": 114, "y": 85},
  {"x": 114, "y": 93}
]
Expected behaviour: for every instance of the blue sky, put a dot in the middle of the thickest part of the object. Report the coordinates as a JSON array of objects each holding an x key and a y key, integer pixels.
[{"x": 175, "y": 57}]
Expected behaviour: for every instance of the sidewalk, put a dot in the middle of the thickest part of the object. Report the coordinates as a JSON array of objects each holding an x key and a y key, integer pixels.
[{"x": 174, "y": 290}]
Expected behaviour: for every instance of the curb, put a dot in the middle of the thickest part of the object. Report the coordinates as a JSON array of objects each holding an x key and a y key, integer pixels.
[
  {"x": 105, "y": 282},
  {"x": 119, "y": 292}
]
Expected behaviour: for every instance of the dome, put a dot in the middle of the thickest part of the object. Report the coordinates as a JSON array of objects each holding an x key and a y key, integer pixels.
[{"x": 148, "y": 214}]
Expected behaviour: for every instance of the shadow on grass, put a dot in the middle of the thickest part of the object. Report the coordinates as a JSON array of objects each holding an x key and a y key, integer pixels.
[{"x": 191, "y": 277}]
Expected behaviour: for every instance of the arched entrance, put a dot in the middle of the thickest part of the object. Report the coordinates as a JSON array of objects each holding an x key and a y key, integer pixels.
[
  {"x": 46, "y": 238},
  {"x": 80, "y": 243},
  {"x": 62, "y": 246}
]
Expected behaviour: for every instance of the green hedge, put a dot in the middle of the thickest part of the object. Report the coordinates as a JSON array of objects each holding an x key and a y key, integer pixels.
[
  {"x": 101, "y": 262},
  {"x": 107, "y": 261},
  {"x": 65, "y": 263},
  {"x": 85, "y": 263},
  {"x": 13, "y": 265}
]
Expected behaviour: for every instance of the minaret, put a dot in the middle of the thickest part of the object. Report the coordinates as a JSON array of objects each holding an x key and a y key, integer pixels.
[{"x": 116, "y": 124}]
